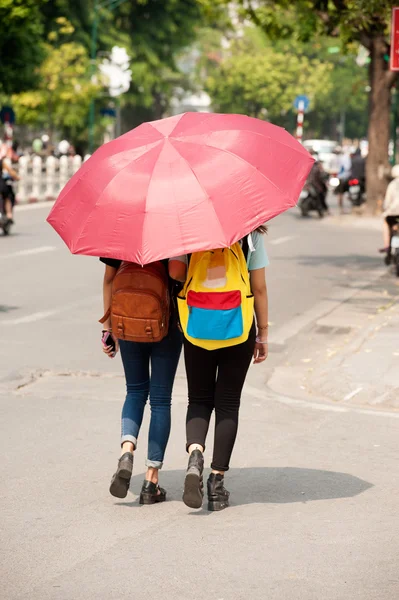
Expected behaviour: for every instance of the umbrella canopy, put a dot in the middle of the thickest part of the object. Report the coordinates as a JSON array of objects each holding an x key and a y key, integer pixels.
[{"x": 191, "y": 182}]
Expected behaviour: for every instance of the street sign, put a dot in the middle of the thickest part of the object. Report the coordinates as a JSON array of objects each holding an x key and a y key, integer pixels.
[
  {"x": 395, "y": 39},
  {"x": 302, "y": 102},
  {"x": 7, "y": 115},
  {"x": 108, "y": 112}
]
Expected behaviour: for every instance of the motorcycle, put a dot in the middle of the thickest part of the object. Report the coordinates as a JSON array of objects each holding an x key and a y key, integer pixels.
[
  {"x": 393, "y": 254},
  {"x": 356, "y": 192},
  {"x": 5, "y": 222},
  {"x": 309, "y": 199},
  {"x": 333, "y": 182}
]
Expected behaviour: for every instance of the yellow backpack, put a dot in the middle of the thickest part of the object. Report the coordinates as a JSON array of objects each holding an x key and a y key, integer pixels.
[{"x": 216, "y": 305}]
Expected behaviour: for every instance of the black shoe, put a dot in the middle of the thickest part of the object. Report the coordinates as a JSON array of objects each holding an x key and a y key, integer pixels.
[
  {"x": 193, "y": 484},
  {"x": 151, "y": 493},
  {"x": 121, "y": 479},
  {"x": 218, "y": 496}
]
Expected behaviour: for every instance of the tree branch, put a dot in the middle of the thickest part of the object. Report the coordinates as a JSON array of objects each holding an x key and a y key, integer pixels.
[
  {"x": 253, "y": 14},
  {"x": 365, "y": 40},
  {"x": 340, "y": 5}
]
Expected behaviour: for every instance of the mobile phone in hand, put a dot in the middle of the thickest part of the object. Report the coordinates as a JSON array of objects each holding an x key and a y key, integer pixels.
[{"x": 108, "y": 340}]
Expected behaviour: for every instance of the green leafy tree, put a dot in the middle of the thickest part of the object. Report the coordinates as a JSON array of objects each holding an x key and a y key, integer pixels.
[
  {"x": 62, "y": 97},
  {"x": 153, "y": 33},
  {"x": 21, "y": 51},
  {"x": 76, "y": 12},
  {"x": 363, "y": 21},
  {"x": 256, "y": 79},
  {"x": 347, "y": 100}
]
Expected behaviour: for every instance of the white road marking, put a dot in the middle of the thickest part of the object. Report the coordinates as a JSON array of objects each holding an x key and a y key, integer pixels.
[
  {"x": 352, "y": 394},
  {"x": 45, "y": 314},
  {"x": 34, "y": 206},
  {"x": 266, "y": 395},
  {"x": 295, "y": 325},
  {"x": 30, "y": 251},
  {"x": 282, "y": 240}
]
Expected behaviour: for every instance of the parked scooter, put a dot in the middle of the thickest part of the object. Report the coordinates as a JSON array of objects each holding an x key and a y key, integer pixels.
[
  {"x": 393, "y": 253},
  {"x": 309, "y": 200}
]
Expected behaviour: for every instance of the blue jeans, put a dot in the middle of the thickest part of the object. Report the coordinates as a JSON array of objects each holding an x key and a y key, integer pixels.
[{"x": 137, "y": 357}]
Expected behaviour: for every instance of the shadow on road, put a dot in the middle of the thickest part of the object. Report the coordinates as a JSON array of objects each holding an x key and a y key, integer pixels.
[{"x": 269, "y": 485}]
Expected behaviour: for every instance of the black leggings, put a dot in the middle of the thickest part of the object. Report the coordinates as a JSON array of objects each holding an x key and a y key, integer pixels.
[{"x": 215, "y": 381}]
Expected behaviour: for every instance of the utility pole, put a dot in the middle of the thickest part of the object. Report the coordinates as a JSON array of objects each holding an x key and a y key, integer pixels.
[
  {"x": 110, "y": 5},
  {"x": 299, "y": 120}
]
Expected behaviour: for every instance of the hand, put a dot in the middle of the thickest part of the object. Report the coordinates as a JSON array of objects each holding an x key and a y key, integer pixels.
[
  {"x": 108, "y": 350},
  {"x": 261, "y": 350}
]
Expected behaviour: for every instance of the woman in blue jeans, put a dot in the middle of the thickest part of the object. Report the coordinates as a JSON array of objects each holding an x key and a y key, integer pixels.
[{"x": 150, "y": 370}]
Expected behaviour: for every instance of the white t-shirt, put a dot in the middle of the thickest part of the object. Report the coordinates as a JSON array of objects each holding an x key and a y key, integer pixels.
[{"x": 391, "y": 202}]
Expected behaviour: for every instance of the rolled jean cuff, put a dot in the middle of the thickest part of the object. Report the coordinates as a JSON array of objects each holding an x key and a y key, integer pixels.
[
  {"x": 129, "y": 438},
  {"x": 154, "y": 464},
  {"x": 216, "y": 467}
]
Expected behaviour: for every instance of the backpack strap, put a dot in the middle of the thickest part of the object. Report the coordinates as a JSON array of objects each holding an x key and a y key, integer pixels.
[{"x": 245, "y": 247}]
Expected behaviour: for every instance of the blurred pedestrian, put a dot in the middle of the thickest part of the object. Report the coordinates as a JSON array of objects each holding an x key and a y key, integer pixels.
[
  {"x": 150, "y": 369},
  {"x": 343, "y": 164}
]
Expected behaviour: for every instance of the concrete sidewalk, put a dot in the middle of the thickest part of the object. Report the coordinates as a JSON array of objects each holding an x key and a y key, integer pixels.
[
  {"x": 351, "y": 354},
  {"x": 313, "y": 516}
]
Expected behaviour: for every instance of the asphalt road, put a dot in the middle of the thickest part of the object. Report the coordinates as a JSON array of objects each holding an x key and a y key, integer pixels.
[{"x": 314, "y": 491}]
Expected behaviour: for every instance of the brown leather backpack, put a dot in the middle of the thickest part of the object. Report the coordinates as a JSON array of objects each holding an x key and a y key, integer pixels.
[{"x": 140, "y": 305}]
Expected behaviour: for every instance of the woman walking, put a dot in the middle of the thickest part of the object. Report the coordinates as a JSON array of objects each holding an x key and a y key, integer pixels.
[
  {"x": 216, "y": 378},
  {"x": 150, "y": 369}
]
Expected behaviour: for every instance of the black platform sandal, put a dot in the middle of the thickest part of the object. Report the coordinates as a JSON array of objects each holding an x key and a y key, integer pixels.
[
  {"x": 151, "y": 493},
  {"x": 193, "y": 484},
  {"x": 121, "y": 479},
  {"x": 218, "y": 496}
]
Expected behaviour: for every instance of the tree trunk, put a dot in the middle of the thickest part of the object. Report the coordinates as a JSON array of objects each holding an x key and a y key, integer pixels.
[{"x": 381, "y": 80}]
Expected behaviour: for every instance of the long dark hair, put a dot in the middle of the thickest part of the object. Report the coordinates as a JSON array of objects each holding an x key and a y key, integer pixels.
[{"x": 262, "y": 229}]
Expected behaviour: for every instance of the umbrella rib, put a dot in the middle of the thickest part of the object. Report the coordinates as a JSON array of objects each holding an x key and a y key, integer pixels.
[
  {"x": 89, "y": 170},
  {"x": 200, "y": 184},
  {"x": 102, "y": 193},
  {"x": 178, "y": 122},
  {"x": 300, "y": 150},
  {"x": 242, "y": 160}
]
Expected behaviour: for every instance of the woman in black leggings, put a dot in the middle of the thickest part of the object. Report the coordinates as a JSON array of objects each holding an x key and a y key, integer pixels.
[{"x": 215, "y": 381}]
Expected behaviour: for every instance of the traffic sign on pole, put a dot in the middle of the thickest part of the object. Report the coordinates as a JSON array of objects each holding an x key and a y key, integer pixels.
[
  {"x": 303, "y": 101},
  {"x": 395, "y": 39},
  {"x": 299, "y": 121}
]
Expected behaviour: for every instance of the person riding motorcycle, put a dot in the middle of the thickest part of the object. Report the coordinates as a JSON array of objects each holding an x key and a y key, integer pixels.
[
  {"x": 391, "y": 209},
  {"x": 358, "y": 168},
  {"x": 7, "y": 195},
  {"x": 317, "y": 178}
]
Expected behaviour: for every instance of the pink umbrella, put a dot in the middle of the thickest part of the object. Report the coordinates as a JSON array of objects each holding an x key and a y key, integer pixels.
[{"x": 192, "y": 182}]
